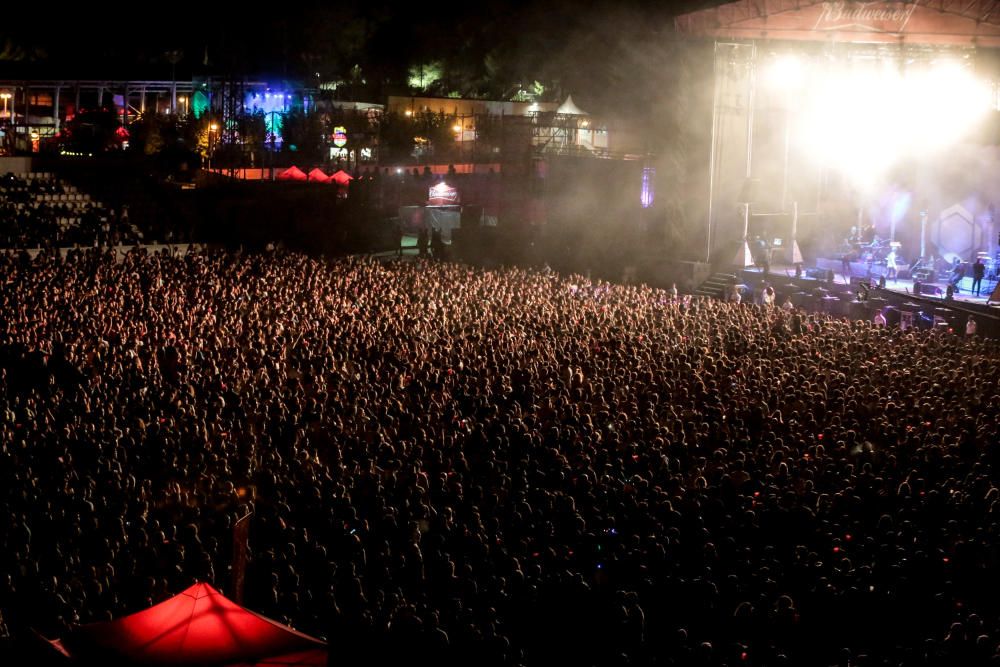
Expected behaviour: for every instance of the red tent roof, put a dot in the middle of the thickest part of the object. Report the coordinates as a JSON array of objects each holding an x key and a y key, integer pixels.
[
  {"x": 293, "y": 173},
  {"x": 341, "y": 177},
  {"x": 318, "y": 176},
  {"x": 197, "y": 627}
]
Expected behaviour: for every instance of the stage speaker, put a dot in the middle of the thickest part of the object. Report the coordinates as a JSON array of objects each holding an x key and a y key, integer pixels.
[{"x": 927, "y": 290}]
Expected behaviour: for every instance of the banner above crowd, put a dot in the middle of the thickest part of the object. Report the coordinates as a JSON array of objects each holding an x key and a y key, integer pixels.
[{"x": 940, "y": 22}]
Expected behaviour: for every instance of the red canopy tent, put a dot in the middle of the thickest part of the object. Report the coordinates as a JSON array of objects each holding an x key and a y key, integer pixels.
[
  {"x": 197, "y": 627},
  {"x": 318, "y": 176},
  {"x": 293, "y": 173},
  {"x": 341, "y": 178}
]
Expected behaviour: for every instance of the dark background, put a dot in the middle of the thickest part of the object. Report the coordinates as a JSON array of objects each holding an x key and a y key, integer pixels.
[{"x": 605, "y": 52}]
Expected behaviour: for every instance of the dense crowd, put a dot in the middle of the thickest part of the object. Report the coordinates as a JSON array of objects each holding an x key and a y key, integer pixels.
[
  {"x": 494, "y": 468},
  {"x": 41, "y": 211}
]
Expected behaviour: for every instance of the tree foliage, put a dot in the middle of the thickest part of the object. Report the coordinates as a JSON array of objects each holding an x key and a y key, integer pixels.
[
  {"x": 93, "y": 132},
  {"x": 304, "y": 134}
]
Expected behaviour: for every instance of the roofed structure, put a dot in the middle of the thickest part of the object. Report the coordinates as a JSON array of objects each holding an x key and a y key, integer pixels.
[{"x": 968, "y": 23}]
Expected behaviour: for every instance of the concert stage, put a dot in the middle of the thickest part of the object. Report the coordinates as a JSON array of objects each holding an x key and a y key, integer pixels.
[{"x": 830, "y": 118}]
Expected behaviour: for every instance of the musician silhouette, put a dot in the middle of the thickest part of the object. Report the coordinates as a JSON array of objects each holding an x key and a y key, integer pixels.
[
  {"x": 978, "y": 272},
  {"x": 890, "y": 264},
  {"x": 957, "y": 273}
]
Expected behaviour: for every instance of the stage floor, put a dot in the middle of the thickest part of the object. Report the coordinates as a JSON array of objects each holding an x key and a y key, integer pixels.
[{"x": 935, "y": 290}]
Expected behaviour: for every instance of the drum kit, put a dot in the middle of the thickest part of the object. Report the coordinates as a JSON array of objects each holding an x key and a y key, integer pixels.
[
  {"x": 878, "y": 250},
  {"x": 875, "y": 252}
]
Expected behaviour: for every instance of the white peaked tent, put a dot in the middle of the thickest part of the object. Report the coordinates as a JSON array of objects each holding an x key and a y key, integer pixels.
[{"x": 569, "y": 108}]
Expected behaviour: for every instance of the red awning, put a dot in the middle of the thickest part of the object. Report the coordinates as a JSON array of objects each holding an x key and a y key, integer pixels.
[
  {"x": 197, "y": 627},
  {"x": 318, "y": 176},
  {"x": 293, "y": 173},
  {"x": 341, "y": 177}
]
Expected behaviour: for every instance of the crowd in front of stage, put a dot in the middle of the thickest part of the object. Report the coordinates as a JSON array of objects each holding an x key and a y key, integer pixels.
[{"x": 494, "y": 467}]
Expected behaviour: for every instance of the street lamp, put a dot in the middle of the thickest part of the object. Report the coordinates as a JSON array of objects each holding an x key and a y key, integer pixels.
[
  {"x": 211, "y": 129},
  {"x": 183, "y": 100},
  {"x": 5, "y": 97},
  {"x": 459, "y": 137}
]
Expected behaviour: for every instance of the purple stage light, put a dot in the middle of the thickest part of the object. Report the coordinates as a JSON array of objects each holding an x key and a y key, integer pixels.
[{"x": 648, "y": 188}]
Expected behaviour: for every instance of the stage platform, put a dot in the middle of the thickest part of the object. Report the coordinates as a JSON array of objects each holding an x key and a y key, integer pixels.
[
  {"x": 863, "y": 271},
  {"x": 835, "y": 293}
]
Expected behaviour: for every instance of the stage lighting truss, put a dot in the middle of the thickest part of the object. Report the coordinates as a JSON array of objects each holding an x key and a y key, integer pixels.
[{"x": 860, "y": 108}]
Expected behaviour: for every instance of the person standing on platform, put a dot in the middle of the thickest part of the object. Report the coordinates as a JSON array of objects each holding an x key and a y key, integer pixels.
[
  {"x": 978, "y": 271},
  {"x": 437, "y": 244},
  {"x": 970, "y": 326},
  {"x": 890, "y": 265},
  {"x": 423, "y": 241}
]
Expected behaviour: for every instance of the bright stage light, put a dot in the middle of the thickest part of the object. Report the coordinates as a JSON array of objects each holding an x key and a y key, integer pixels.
[
  {"x": 863, "y": 117},
  {"x": 786, "y": 71}
]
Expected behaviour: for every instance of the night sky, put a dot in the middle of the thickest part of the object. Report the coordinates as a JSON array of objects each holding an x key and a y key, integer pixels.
[{"x": 596, "y": 51}]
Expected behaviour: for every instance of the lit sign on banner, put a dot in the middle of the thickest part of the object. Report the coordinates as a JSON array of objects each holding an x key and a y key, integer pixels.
[
  {"x": 442, "y": 194},
  {"x": 340, "y": 136},
  {"x": 875, "y": 16},
  {"x": 947, "y": 22}
]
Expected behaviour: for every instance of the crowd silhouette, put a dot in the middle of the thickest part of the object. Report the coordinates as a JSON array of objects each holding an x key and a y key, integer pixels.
[
  {"x": 493, "y": 467},
  {"x": 38, "y": 210}
]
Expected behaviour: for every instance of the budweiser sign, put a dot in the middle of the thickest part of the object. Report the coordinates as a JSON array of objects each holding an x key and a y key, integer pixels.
[{"x": 870, "y": 16}]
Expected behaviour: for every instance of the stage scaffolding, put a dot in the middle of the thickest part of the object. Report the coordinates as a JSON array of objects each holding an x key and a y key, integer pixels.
[{"x": 755, "y": 178}]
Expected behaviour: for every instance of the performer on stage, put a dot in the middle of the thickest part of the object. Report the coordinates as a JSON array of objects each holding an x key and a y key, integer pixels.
[
  {"x": 957, "y": 273},
  {"x": 761, "y": 252},
  {"x": 890, "y": 264},
  {"x": 978, "y": 271},
  {"x": 845, "y": 264}
]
